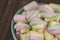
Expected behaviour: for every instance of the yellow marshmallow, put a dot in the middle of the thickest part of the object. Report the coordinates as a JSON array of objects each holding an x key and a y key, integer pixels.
[
  {"x": 39, "y": 15},
  {"x": 54, "y": 6},
  {"x": 38, "y": 28},
  {"x": 54, "y": 19},
  {"x": 48, "y": 36},
  {"x": 24, "y": 30},
  {"x": 47, "y": 20},
  {"x": 58, "y": 18},
  {"x": 37, "y": 35},
  {"x": 53, "y": 22},
  {"x": 24, "y": 36}
]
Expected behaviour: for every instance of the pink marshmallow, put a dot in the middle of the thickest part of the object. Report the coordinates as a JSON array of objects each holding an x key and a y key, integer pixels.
[
  {"x": 20, "y": 28},
  {"x": 17, "y": 34},
  {"x": 34, "y": 7},
  {"x": 54, "y": 29},
  {"x": 35, "y": 18},
  {"x": 56, "y": 32},
  {"x": 47, "y": 11},
  {"x": 20, "y": 18},
  {"x": 30, "y": 13},
  {"x": 36, "y": 21},
  {"x": 36, "y": 36}
]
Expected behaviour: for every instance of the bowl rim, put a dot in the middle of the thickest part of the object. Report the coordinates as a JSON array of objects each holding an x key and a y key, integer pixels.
[{"x": 12, "y": 23}]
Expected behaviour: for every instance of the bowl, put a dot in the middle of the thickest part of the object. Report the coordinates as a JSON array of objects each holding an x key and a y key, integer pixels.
[{"x": 20, "y": 11}]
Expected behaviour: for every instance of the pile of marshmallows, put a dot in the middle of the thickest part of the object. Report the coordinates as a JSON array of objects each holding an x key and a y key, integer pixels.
[{"x": 38, "y": 22}]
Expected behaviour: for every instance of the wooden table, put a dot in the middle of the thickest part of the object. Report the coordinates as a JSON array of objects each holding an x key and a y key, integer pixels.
[{"x": 7, "y": 9}]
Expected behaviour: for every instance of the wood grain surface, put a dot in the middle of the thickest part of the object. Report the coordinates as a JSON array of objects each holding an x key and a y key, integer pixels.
[{"x": 7, "y": 10}]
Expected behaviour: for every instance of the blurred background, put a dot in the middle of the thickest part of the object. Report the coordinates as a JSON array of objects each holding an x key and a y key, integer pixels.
[{"x": 7, "y": 10}]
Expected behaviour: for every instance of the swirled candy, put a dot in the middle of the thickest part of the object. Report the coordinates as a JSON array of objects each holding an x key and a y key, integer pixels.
[
  {"x": 20, "y": 18},
  {"x": 47, "y": 12},
  {"x": 54, "y": 28},
  {"x": 24, "y": 36},
  {"x": 38, "y": 24},
  {"x": 31, "y": 6},
  {"x": 21, "y": 27},
  {"x": 48, "y": 36},
  {"x": 36, "y": 36}
]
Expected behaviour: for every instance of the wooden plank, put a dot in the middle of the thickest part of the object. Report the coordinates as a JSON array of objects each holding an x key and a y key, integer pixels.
[
  {"x": 3, "y": 4},
  {"x": 9, "y": 35},
  {"x": 6, "y": 19}
]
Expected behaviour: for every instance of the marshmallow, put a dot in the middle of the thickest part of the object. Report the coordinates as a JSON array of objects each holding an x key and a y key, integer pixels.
[
  {"x": 35, "y": 14},
  {"x": 38, "y": 24},
  {"x": 31, "y": 6},
  {"x": 17, "y": 34},
  {"x": 39, "y": 15},
  {"x": 21, "y": 27},
  {"x": 58, "y": 17},
  {"x": 48, "y": 36},
  {"x": 56, "y": 7},
  {"x": 39, "y": 27},
  {"x": 20, "y": 18},
  {"x": 24, "y": 36},
  {"x": 47, "y": 12},
  {"x": 36, "y": 21},
  {"x": 30, "y": 13},
  {"x": 46, "y": 9},
  {"x": 54, "y": 28},
  {"x": 36, "y": 36}
]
